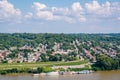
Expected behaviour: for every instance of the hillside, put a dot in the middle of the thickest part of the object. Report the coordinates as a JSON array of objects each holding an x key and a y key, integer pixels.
[{"x": 28, "y": 47}]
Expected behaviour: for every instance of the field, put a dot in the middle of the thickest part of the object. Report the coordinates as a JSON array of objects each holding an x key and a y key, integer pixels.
[{"x": 39, "y": 64}]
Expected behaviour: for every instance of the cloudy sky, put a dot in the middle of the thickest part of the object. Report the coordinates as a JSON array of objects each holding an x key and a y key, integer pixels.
[{"x": 60, "y": 16}]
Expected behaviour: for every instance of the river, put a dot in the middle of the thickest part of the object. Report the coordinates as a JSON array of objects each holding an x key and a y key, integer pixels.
[{"x": 100, "y": 75}]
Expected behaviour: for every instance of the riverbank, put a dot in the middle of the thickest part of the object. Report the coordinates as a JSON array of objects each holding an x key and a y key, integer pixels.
[
  {"x": 43, "y": 70},
  {"x": 97, "y": 75},
  {"x": 44, "y": 67}
]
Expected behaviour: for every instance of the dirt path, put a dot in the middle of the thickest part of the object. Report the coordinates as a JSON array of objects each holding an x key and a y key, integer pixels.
[{"x": 75, "y": 66}]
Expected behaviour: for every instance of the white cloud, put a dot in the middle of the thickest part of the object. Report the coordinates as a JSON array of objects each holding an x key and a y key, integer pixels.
[
  {"x": 29, "y": 15},
  {"x": 42, "y": 12},
  {"x": 92, "y": 6},
  {"x": 45, "y": 15},
  {"x": 8, "y": 12},
  {"x": 50, "y": 13},
  {"x": 39, "y": 6},
  {"x": 76, "y": 7},
  {"x": 74, "y": 14},
  {"x": 115, "y": 8},
  {"x": 96, "y": 8},
  {"x": 78, "y": 12},
  {"x": 60, "y": 11},
  {"x": 102, "y": 12},
  {"x": 81, "y": 18},
  {"x": 106, "y": 9},
  {"x": 70, "y": 15},
  {"x": 67, "y": 19}
]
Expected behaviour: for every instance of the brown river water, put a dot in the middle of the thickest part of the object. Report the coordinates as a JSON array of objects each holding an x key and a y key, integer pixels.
[{"x": 100, "y": 75}]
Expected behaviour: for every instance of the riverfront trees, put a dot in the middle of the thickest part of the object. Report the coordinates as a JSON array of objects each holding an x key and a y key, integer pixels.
[{"x": 107, "y": 63}]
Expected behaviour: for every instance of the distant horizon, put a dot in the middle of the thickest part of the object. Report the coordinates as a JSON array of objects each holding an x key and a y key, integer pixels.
[
  {"x": 59, "y": 16},
  {"x": 57, "y": 33}
]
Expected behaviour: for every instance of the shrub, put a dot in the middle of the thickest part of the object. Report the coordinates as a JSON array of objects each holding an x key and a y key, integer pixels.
[
  {"x": 47, "y": 69},
  {"x": 3, "y": 72}
]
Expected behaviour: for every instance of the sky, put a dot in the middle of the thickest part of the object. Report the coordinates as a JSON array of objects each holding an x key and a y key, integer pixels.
[{"x": 59, "y": 16}]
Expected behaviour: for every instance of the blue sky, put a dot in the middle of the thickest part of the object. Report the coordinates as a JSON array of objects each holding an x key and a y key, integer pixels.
[{"x": 60, "y": 16}]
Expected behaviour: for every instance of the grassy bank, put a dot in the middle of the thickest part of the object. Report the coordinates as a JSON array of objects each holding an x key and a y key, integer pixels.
[
  {"x": 32, "y": 67},
  {"x": 39, "y": 64}
]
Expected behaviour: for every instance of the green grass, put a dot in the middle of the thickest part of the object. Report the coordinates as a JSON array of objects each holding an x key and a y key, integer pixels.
[
  {"x": 39, "y": 64},
  {"x": 71, "y": 63}
]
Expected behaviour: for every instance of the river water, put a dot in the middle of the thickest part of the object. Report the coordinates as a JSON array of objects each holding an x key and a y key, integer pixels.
[{"x": 100, "y": 75}]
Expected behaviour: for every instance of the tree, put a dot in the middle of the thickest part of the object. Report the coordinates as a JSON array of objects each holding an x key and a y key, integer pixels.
[
  {"x": 40, "y": 69},
  {"x": 44, "y": 57},
  {"x": 106, "y": 63}
]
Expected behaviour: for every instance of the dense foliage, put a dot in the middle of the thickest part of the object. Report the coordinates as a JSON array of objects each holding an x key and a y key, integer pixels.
[
  {"x": 107, "y": 63},
  {"x": 21, "y": 39}
]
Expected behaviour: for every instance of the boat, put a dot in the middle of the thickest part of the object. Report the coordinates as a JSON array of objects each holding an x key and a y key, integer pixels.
[
  {"x": 52, "y": 73},
  {"x": 36, "y": 74},
  {"x": 85, "y": 72},
  {"x": 42, "y": 74},
  {"x": 67, "y": 73}
]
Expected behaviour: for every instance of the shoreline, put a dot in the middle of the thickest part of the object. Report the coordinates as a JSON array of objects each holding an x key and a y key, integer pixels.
[
  {"x": 64, "y": 73},
  {"x": 44, "y": 74}
]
